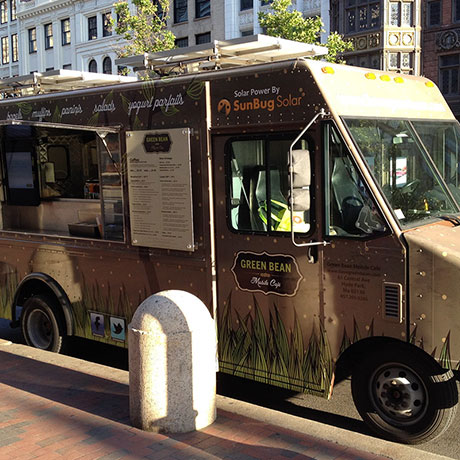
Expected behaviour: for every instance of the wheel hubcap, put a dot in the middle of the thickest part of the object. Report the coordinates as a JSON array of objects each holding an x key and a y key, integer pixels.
[
  {"x": 399, "y": 393},
  {"x": 39, "y": 329}
]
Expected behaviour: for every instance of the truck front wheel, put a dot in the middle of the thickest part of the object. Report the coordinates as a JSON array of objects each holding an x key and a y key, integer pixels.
[
  {"x": 404, "y": 395},
  {"x": 42, "y": 325}
]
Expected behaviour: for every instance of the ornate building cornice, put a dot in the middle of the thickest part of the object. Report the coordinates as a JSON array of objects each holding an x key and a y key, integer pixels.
[{"x": 31, "y": 8}]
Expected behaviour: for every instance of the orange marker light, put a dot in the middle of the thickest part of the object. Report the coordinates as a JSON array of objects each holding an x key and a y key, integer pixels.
[
  {"x": 328, "y": 69},
  {"x": 385, "y": 78},
  {"x": 398, "y": 80},
  {"x": 370, "y": 76},
  {"x": 430, "y": 84}
]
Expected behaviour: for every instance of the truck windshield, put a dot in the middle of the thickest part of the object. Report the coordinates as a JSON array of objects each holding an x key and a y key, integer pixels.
[{"x": 396, "y": 153}]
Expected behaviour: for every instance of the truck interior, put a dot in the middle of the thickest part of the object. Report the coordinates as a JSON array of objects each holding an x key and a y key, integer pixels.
[
  {"x": 62, "y": 181},
  {"x": 259, "y": 187},
  {"x": 407, "y": 159},
  {"x": 350, "y": 208}
]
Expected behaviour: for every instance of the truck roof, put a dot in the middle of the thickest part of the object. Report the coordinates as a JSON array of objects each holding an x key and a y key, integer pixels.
[{"x": 359, "y": 92}]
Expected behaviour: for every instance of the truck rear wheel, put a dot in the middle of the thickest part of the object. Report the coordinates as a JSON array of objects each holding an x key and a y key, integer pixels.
[
  {"x": 404, "y": 395},
  {"x": 42, "y": 325}
]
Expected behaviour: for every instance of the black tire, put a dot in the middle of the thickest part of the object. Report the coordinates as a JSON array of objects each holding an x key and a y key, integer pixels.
[
  {"x": 42, "y": 324},
  {"x": 404, "y": 395}
]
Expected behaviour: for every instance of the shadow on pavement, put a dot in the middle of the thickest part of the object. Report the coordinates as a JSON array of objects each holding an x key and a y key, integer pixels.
[
  {"x": 81, "y": 408},
  {"x": 278, "y": 399}
]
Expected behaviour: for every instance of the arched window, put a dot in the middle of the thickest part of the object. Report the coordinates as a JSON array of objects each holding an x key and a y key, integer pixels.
[
  {"x": 107, "y": 65},
  {"x": 92, "y": 66}
]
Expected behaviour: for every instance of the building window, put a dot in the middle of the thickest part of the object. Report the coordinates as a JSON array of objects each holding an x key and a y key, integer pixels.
[
  {"x": 92, "y": 28},
  {"x": 448, "y": 72},
  {"x": 122, "y": 70},
  {"x": 406, "y": 61},
  {"x": 180, "y": 11},
  {"x": 203, "y": 38},
  {"x": 246, "y": 5},
  {"x": 401, "y": 62},
  {"x": 92, "y": 66},
  {"x": 361, "y": 15},
  {"x": 67, "y": 66},
  {"x": 160, "y": 12},
  {"x": 394, "y": 14},
  {"x": 48, "y": 36},
  {"x": 406, "y": 14},
  {"x": 3, "y": 11},
  {"x": 433, "y": 13},
  {"x": 181, "y": 42},
  {"x": 456, "y": 10},
  {"x": 107, "y": 25},
  {"x": 13, "y": 12},
  {"x": 370, "y": 61},
  {"x": 33, "y": 40},
  {"x": 202, "y": 8},
  {"x": 107, "y": 65},
  {"x": 14, "y": 48},
  {"x": 246, "y": 33},
  {"x": 400, "y": 14},
  {"x": 65, "y": 31},
  {"x": 5, "y": 51},
  {"x": 393, "y": 62}
]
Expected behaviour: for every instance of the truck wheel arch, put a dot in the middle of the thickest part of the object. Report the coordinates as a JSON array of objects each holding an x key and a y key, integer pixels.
[
  {"x": 354, "y": 354},
  {"x": 40, "y": 283}
]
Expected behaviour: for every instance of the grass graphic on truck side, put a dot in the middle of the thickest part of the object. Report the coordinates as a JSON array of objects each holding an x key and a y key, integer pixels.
[
  {"x": 9, "y": 283},
  {"x": 267, "y": 353}
]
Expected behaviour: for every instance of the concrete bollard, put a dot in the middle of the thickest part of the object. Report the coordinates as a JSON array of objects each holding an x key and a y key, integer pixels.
[{"x": 172, "y": 364}]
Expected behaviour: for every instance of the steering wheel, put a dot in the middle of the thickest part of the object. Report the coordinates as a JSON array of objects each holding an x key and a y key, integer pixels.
[
  {"x": 352, "y": 201},
  {"x": 351, "y": 207},
  {"x": 410, "y": 187}
]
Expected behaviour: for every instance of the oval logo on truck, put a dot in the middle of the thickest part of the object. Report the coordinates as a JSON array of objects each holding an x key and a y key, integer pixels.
[
  {"x": 157, "y": 143},
  {"x": 267, "y": 273}
]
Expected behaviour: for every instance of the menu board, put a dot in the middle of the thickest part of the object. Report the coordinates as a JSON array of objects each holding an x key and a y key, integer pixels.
[{"x": 160, "y": 188}]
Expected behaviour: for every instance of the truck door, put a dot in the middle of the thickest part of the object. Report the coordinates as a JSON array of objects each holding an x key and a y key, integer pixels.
[
  {"x": 364, "y": 261},
  {"x": 269, "y": 291}
]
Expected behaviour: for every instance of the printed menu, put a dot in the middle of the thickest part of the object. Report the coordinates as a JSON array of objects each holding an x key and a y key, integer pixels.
[{"x": 160, "y": 189}]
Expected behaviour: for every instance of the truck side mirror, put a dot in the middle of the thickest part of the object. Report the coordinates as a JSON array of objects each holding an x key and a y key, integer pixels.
[{"x": 301, "y": 180}]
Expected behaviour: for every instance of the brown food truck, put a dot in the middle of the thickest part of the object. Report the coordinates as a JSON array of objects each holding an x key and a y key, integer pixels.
[{"x": 314, "y": 208}]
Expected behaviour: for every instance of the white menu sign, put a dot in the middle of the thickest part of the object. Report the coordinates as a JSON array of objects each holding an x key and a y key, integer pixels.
[{"x": 160, "y": 188}]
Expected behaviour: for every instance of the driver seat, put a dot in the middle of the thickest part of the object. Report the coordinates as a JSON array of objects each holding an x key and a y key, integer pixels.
[{"x": 347, "y": 195}]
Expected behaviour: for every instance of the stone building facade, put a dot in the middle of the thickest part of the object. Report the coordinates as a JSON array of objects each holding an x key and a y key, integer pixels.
[
  {"x": 39, "y": 35},
  {"x": 386, "y": 33},
  {"x": 9, "y": 38},
  {"x": 441, "y": 48}
]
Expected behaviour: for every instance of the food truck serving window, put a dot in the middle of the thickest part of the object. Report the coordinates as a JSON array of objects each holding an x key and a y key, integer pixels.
[
  {"x": 62, "y": 180},
  {"x": 259, "y": 185}
]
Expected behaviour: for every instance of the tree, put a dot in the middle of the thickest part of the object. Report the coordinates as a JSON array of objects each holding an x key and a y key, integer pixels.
[
  {"x": 145, "y": 31},
  {"x": 281, "y": 20}
]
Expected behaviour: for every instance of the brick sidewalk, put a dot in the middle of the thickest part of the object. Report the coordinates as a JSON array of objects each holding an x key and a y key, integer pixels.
[{"x": 51, "y": 412}]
